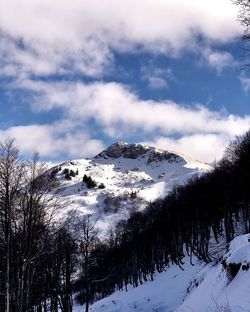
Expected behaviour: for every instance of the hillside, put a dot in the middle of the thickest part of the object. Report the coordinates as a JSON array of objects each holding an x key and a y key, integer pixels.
[
  {"x": 199, "y": 288},
  {"x": 127, "y": 176},
  {"x": 167, "y": 241},
  {"x": 170, "y": 254}
]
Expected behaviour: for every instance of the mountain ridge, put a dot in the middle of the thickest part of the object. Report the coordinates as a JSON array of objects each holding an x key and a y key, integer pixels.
[
  {"x": 133, "y": 150},
  {"x": 126, "y": 177}
]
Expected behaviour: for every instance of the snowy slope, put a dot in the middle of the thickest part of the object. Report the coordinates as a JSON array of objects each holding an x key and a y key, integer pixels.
[
  {"x": 218, "y": 289},
  {"x": 133, "y": 175},
  {"x": 129, "y": 169},
  {"x": 199, "y": 288},
  {"x": 165, "y": 293}
]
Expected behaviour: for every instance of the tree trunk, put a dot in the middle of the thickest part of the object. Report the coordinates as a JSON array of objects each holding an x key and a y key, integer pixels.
[{"x": 8, "y": 274}]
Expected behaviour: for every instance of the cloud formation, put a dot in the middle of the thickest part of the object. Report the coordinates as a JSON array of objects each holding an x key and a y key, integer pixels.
[
  {"x": 116, "y": 108},
  {"x": 63, "y": 39},
  {"x": 118, "y": 112},
  {"x": 245, "y": 83},
  {"x": 218, "y": 59},
  {"x": 54, "y": 140},
  {"x": 44, "y": 37},
  {"x": 156, "y": 77},
  {"x": 202, "y": 147}
]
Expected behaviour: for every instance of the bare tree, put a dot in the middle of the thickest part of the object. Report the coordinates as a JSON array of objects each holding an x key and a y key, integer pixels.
[
  {"x": 27, "y": 229},
  {"x": 244, "y": 19},
  {"x": 35, "y": 212},
  {"x": 11, "y": 174},
  {"x": 88, "y": 241}
]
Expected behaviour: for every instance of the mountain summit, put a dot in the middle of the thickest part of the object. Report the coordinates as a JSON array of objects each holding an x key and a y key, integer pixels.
[
  {"x": 122, "y": 177},
  {"x": 135, "y": 151},
  {"x": 149, "y": 153}
]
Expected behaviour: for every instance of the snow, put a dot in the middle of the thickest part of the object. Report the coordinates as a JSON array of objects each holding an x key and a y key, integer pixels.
[
  {"x": 150, "y": 175},
  {"x": 217, "y": 290},
  {"x": 240, "y": 255},
  {"x": 239, "y": 250},
  {"x": 158, "y": 295},
  {"x": 199, "y": 288}
]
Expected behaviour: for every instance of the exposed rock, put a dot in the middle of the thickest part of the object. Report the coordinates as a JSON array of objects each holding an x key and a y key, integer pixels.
[
  {"x": 136, "y": 151},
  {"x": 116, "y": 150},
  {"x": 160, "y": 155},
  {"x": 119, "y": 149},
  {"x": 133, "y": 151}
]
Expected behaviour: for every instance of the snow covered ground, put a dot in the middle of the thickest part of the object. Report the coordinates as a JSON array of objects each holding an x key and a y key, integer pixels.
[
  {"x": 199, "y": 288},
  {"x": 126, "y": 170},
  {"x": 139, "y": 169},
  {"x": 165, "y": 293}
]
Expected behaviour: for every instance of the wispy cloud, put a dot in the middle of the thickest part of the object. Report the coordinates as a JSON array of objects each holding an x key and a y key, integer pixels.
[
  {"x": 218, "y": 59},
  {"x": 245, "y": 83},
  {"x": 156, "y": 77}
]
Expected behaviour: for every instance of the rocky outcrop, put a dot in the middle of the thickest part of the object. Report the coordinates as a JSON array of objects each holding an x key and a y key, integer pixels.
[
  {"x": 160, "y": 155},
  {"x": 119, "y": 149},
  {"x": 116, "y": 150},
  {"x": 135, "y": 151}
]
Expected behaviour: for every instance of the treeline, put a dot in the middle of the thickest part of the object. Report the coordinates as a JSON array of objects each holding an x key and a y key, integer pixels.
[{"x": 208, "y": 208}]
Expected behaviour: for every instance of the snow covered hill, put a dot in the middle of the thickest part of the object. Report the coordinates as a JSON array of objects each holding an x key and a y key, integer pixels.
[
  {"x": 218, "y": 287},
  {"x": 127, "y": 176}
]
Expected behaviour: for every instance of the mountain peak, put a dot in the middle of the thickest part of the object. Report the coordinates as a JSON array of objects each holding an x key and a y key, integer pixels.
[
  {"x": 119, "y": 171},
  {"x": 127, "y": 150},
  {"x": 138, "y": 151}
]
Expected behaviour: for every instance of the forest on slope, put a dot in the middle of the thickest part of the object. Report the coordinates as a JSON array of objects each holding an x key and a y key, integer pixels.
[
  {"x": 199, "y": 218},
  {"x": 44, "y": 264}
]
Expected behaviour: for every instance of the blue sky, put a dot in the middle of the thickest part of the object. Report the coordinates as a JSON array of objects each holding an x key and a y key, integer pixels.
[{"x": 75, "y": 76}]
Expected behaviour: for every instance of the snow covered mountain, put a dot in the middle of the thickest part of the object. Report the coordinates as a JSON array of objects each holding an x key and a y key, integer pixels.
[
  {"x": 125, "y": 176},
  {"x": 214, "y": 287},
  {"x": 128, "y": 176}
]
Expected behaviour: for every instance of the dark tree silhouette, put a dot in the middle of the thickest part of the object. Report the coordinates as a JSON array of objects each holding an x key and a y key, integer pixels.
[
  {"x": 198, "y": 218},
  {"x": 244, "y": 19}
]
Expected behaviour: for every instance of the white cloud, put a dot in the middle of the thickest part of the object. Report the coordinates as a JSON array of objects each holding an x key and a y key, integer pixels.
[
  {"x": 118, "y": 110},
  {"x": 218, "y": 59},
  {"x": 156, "y": 77},
  {"x": 53, "y": 140},
  {"x": 245, "y": 83},
  {"x": 38, "y": 58},
  {"x": 44, "y": 37},
  {"x": 157, "y": 83},
  {"x": 203, "y": 147},
  {"x": 119, "y": 113}
]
